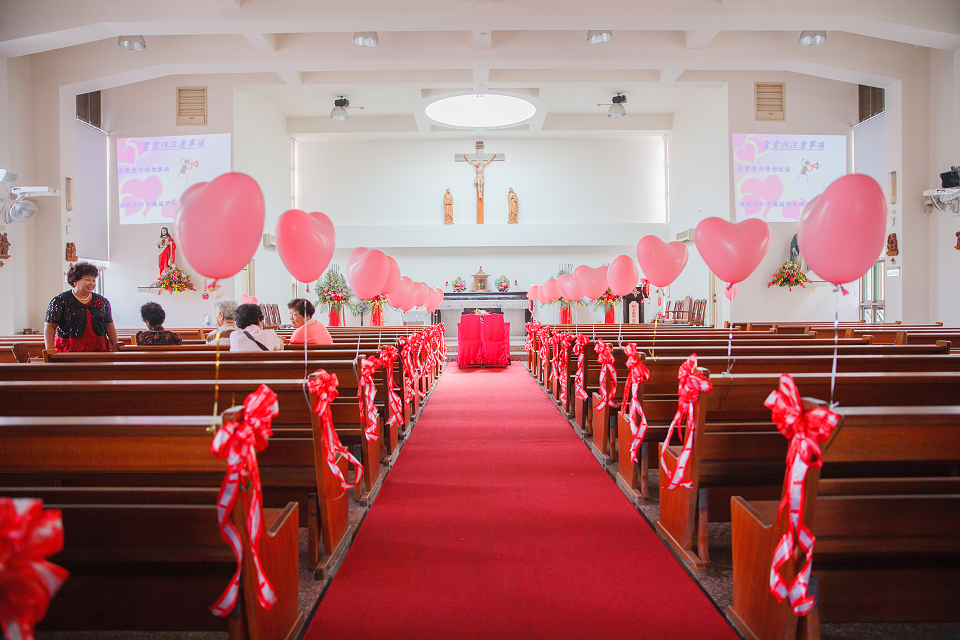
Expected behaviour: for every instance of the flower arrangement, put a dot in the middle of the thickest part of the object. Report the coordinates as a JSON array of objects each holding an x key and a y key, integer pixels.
[
  {"x": 333, "y": 291},
  {"x": 459, "y": 286},
  {"x": 503, "y": 284},
  {"x": 174, "y": 280},
  {"x": 375, "y": 303},
  {"x": 607, "y": 300},
  {"x": 789, "y": 275}
]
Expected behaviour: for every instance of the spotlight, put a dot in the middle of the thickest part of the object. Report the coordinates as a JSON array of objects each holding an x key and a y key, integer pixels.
[
  {"x": 811, "y": 38},
  {"x": 599, "y": 37},
  {"x": 133, "y": 43},
  {"x": 616, "y": 109},
  {"x": 340, "y": 106},
  {"x": 366, "y": 38}
]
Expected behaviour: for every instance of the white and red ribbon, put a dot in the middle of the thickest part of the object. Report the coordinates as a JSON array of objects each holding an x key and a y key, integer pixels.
[
  {"x": 406, "y": 349},
  {"x": 806, "y": 430},
  {"x": 608, "y": 374},
  {"x": 389, "y": 355},
  {"x": 543, "y": 342},
  {"x": 563, "y": 369},
  {"x": 239, "y": 443},
  {"x": 692, "y": 384},
  {"x": 637, "y": 374},
  {"x": 579, "y": 345},
  {"x": 323, "y": 387},
  {"x": 532, "y": 328},
  {"x": 366, "y": 396},
  {"x": 554, "y": 343},
  {"x": 28, "y": 534}
]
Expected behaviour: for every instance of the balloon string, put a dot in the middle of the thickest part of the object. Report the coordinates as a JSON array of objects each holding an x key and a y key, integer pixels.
[
  {"x": 654, "y": 345},
  {"x": 216, "y": 387},
  {"x": 836, "y": 342},
  {"x": 730, "y": 359}
]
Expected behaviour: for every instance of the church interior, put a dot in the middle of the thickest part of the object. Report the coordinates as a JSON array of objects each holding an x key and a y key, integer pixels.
[{"x": 480, "y": 318}]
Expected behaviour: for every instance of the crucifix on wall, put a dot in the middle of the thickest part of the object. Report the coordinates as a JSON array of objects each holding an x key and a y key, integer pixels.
[{"x": 479, "y": 160}]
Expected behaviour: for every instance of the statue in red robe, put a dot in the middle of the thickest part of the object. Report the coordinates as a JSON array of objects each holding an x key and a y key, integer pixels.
[{"x": 168, "y": 251}]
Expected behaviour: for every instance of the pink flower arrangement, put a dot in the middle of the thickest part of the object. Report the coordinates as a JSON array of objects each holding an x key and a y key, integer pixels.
[{"x": 789, "y": 275}]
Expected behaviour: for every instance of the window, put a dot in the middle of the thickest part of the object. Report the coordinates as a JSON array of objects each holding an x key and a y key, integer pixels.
[
  {"x": 871, "y": 102},
  {"x": 871, "y": 294},
  {"x": 88, "y": 108}
]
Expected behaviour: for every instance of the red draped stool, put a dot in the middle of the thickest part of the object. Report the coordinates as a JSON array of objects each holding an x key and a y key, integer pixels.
[
  {"x": 496, "y": 341},
  {"x": 469, "y": 345}
]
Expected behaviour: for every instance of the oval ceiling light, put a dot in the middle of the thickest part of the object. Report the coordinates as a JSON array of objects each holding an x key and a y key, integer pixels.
[
  {"x": 599, "y": 37},
  {"x": 134, "y": 43},
  {"x": 480, "y": 111},
  {"x": 366, "y": 38},
  {"x": 811, "y": 38}
]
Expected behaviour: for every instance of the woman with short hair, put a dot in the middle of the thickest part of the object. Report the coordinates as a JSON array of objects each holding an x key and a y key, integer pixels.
[
  {"x": 79, "y": 319},
  {"x": 250, "y": 334},
  {"x": 153, "y": 316},
  {"x": 226, "y": 314},
  {"x": 306, "y": 328}
]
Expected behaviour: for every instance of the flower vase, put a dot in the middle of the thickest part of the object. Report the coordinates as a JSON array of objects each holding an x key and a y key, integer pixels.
[
  {"x": 566, "y": 314},
  {"x": 610, "y": 316},
  {"x": 334, "y": 320},
  {"x": 376, "y": 318}
]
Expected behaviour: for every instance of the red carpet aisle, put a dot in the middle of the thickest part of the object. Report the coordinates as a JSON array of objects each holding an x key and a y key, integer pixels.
[{"x": 496, "y": 522}]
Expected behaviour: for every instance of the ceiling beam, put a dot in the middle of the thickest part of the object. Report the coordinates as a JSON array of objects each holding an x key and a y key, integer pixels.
[
  {"x": 291, "y": 77},
  {"x": 482, "y": 39},
  {"x": 700, "y": 38},
  {"x": 262, "y": 41},
  {"x": 670, "y": 75},
  {"x": 228, "y": 4}
]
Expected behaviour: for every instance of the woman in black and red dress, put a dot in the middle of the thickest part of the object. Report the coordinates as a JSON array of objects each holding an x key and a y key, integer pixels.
[
  {"x": 153, "y": 316},
  {"x": 79, "y": 319}
]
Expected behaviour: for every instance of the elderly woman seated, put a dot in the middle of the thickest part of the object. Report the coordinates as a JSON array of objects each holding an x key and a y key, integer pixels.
[
  {"x": 301, "y": 316},
  {"x": 250, "y": 334},
  {"x": 153, "y": 316},
  {"x": 226, "y": 313}
]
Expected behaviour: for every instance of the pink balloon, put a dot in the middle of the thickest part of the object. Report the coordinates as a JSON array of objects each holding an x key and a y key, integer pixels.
[
  {"x": 842, "y": 231},
  {"x": 248, "y": 299},
  {"x": 305, "y": 242},
  {"x": 730, "y": 291},
  {"x": 398, "y": 297},
  {"x": 569, "y": 289},
  {"x": 551, "y": 289},
  {"x": 622, "y": 276},
  {"x": 393, "y": 280},
  {"x": 592, "y": 281},
  {"x": 532, "y": 292},
  {"x": 434, "y": 298},
  {"x": 661, "y": 261},
  {"x": 219, "y": 224},
  {"x": 422, "y": 292},
  {"x": 732, "y": 251},
  {"x": 542, "y": 296},
  {"x": 367, "y": 272}
]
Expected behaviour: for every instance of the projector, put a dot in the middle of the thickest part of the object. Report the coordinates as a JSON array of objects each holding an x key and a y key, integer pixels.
[{"x": 33, "y": 192}]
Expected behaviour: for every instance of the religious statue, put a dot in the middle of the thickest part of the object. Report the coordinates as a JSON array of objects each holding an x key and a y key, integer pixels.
[
  {"x": 448, "y": 208},
  {"x": 513, "y": 204},
  {"x": 795, "y": 254},
  {"x": 892, "y": 249},
  {"x": 4, "y": 246},
  {"x": 478, "y": 180},
  {"x": 167, "y": 256},
  {"x": 958, "y": 241},
  {"x": 71, "y": 253}
]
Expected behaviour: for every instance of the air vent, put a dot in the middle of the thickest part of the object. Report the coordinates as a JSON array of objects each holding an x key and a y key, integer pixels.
[
  {"x": 191, "y": 105},
  {"x": 686, "y": 237},
  {"x": 769, "y": 98},
  {"x": 88, "y": 108}
]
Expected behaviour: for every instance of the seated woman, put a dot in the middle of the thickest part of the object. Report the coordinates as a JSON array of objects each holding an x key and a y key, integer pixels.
[
  {"x": 153, "y": 316},
  {"x": 250, "y": 334},
  {"x": 301, "y": 316}
]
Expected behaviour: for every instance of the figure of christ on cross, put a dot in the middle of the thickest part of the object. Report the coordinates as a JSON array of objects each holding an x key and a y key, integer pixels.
[
  {"x": 478, "y": 180},
  {"x": 479, "y": 161}
]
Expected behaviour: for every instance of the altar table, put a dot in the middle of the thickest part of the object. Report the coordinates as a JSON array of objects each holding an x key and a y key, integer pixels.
[{"x": 483, "y": 341}]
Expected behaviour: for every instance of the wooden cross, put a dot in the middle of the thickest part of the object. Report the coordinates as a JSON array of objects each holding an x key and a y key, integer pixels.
[{"x": 479, "y": 160}]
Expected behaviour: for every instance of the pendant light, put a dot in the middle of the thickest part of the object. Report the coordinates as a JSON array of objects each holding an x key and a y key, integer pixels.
[
  {"x": 599, "y": 37},
  {"x": 133, "y": 43},
  {"x": 812, "y": 38}
]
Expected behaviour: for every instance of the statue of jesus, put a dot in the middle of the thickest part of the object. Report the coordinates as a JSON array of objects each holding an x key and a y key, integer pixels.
[{"x": 478, "y": 181}]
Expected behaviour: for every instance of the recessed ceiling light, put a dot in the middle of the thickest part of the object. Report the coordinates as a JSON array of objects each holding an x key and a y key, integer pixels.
[
  {"x": 480, "y": 111},
  {"x": 366, "y": 38},
  {"x": 134, "y": 43},
  {"x": 811, "y": 38},
  {"x": 599, "y": 37}
]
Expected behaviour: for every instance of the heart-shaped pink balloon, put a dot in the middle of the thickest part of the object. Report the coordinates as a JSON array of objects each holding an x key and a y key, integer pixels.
[
  {"x": 219, "y": 224},
  {"x": 423, "y": 291},
  {"x": 434, "y": 298},
  {"x": 248, "y": 299},
  {"x": 622, "y": 275},
  {"x": 393, "y": 280},
  {"x": 542, "y": 296},
  {"x": 398, "y": 297},
  {"x": 551, "y": 289},
  {"x": 661, "y": 261},
  {"x": 410, "y": 292},
  {"x": 569, "y": 288},
  {"x": 732, "y": 251},
  {"x": 305, "y": 242},
  {"x": 842, "y": 231},
  {"x": 592, "y": 281},
  {"x": 532, "y": 292},
  {"x": 367, "y": 272},
  {"x": 730, "y": 291}
]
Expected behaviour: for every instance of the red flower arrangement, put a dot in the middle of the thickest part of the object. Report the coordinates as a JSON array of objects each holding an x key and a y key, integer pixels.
[
  {"x": 789, "y": 275},
  {"x": 174, "y": 280}
]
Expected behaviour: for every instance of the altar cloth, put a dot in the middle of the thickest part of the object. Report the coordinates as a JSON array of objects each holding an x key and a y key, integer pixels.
[{"x": 483, "y": 341}]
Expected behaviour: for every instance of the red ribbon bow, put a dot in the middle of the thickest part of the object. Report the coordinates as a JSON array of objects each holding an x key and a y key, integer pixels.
[
  {"x": 323, "y": 387},
  {"x": 239, "y": 443},
  {"x": 637, "y": 373},
  {"x": 366, "y": 396},
  {"x": 579, "y": 343},
  {"x": 543, "y": 339},
  {"x": 389, "y": 355},
  {"x": 28, "y": 534},
  {"x": 806, "y": 430},
  {"x": 692, "y": 384},
  {"x": 554, "y": 342},
  {"x": 563, "y": 365},
  {"x": 532, "y": 328},
  {"x": 608, "y": 374}
]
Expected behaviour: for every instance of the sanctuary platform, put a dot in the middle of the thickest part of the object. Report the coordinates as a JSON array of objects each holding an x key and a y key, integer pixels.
[{"x": 513, "y": 304}]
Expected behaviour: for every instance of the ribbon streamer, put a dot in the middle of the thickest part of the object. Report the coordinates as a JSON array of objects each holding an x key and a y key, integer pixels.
[
  {"x": 323, "y": 386},
  {"x": 608, "y": 374},
  {"x": 579, "y": 344},
  {"x": 563, "y": 370},
  {"x": 389, "y": 355},
  {"x": 366, "y": 396},
  {"x": 239, "y": 443},
  {"x": 637, "y": 373},
  {"x": 692, "y": 384},
  {"x": 806, "y": 430},
  {"x": 28, "y": 534}
]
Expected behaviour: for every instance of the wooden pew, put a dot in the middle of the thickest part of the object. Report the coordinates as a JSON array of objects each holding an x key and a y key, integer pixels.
[
  {"x": 886, "y": 548},
  {"x": 149, "y": 559},
  {"x": 738, "y": 451}
]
